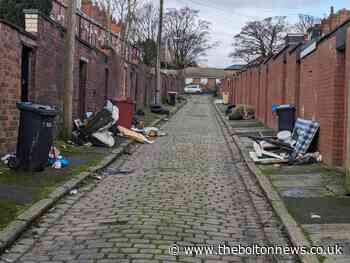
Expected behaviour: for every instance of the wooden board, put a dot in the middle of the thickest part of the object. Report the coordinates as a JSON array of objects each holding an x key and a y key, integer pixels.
[
  {"x": 273, "y": 155},
  {"x": 258, "y": 150},
  {"x": 133, "y": 135}
]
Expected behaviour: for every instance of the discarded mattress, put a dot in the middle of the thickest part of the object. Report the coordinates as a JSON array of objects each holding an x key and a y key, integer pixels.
[{"x": 304, "y": 133}]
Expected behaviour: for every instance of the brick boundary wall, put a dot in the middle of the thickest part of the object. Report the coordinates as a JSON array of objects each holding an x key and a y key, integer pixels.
[
  {"x": 316, "y": 84},
  {"x": 46, "y": 75},
  {"x": 10, "y": 71}
]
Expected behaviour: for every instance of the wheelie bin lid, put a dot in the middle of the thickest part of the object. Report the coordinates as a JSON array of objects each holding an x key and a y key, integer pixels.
[
  {"x": 276, "y": 107},
  {"x": 122, "y": 99},
  {"x": 43, "y": 110},
  {"x": 285, "y": 107}
]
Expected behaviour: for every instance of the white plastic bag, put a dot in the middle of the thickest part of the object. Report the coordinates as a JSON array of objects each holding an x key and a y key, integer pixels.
[{"x": 105, "y": 137}]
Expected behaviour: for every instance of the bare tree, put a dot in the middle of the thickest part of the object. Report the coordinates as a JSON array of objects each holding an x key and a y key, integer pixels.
[
  {"x": 188, "y": 36},
  {"x": 260, "y": 38},
  {"x": 305, "y": 22},
  {"x": 144, "y": 32},
  {"x": 146, "y": 23}
]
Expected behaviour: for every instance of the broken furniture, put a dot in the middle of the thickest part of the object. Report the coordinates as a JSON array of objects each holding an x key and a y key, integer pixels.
[
  {"x": 98, "y": 129},
  {"x": 262, "y": 156},
  {"x": 287, "y": 147},
  {"x": 102, "y": 119},
  {"x": 266, "y": 160},
  {"x": 95, "y": 123}
]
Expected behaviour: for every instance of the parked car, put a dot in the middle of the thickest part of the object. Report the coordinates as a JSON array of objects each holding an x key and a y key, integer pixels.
[{"x": 193, "y": 89}]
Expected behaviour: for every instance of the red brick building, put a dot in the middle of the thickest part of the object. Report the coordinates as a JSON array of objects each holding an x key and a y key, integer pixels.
[
  {"x": 207, "y": 78},
  {"x": 31, "y": 69},
  {"x": 229, "y": 73}
]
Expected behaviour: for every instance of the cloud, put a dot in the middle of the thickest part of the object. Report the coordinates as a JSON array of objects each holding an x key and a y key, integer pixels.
[
  {"x": 266, "y": 4},
  {"x": 228, "y": 16}
]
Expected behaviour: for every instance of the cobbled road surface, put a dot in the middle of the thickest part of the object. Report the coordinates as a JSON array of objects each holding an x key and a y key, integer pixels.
[{"x": 188, "y": 188}]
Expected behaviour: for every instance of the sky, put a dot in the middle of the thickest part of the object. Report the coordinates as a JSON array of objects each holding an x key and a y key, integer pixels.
[{"x": 228, "y": 16}]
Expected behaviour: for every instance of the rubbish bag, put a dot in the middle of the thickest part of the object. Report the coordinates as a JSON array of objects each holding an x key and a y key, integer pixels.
[
  {"x": 158, "y": 109},
  {"x": 105, "y": 137},
  {"x": 235, "y": 115},
  {"x": 230, "y": 109}
]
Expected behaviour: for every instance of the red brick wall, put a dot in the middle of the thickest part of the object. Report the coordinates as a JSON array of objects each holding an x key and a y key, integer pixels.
[
  {"x": 244, "y": 87},
  {"x": 264, "y": 81},
  {"x": 196, "y": 81},
  {"x": 10, "y": 86},
  {"x": 49, "y": 71},
  {"x": 276, "y": 88},
  {"x": 317, "y": 86},
  {"x": 46, "y": 83},
  {"x": 338, "y": 156},
  {"x": 346, "y": 96},
  {"x": 254, "y": 87},
  {"x": 327, "y": 100},
  {"x": 210, "y": 85},
  {"x": 229, "y": 85},
  {"x": 308, "y": 86},
  {"x": 239, "y": 89},
  {"x": 250, "y": 87}
]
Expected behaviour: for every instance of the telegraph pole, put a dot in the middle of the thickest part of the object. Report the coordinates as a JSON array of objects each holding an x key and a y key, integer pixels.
[
  {"x": 69, "y": 48},
  {"x": 159, "y": 47}
]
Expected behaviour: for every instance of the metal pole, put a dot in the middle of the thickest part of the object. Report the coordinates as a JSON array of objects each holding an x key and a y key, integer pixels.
[{"x": 159, "y": 44}]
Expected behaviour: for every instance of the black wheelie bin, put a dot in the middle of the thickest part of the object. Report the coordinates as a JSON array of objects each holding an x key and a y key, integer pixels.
[
  {"x": 286, "y": 117},
  {"x": 35, "y": 136}
]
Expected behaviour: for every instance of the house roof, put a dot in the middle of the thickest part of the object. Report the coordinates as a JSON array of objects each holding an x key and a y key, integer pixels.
[
  {"x": 196, "y": 72},
  {"x": 235, "y": 67}
]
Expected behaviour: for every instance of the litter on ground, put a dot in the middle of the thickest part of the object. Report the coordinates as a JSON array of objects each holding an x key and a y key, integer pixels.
[
  {"x": 73, "y": 192},
  {"x": 288, "y": 147}
]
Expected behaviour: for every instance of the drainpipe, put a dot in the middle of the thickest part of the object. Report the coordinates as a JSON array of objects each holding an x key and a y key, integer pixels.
[{"x": 347, "y": 180}]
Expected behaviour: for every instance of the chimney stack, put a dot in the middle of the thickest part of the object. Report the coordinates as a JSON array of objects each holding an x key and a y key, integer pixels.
[{"x": 293, "y": 39}]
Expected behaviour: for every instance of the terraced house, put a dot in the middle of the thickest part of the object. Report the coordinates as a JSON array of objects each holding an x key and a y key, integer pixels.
[{"x": 31, "y": 67}]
